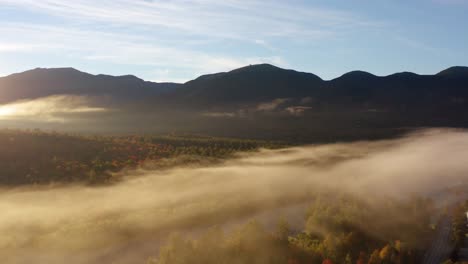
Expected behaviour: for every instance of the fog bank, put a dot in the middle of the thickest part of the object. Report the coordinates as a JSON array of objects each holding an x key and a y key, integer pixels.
[{"x": 125, "y": 223}]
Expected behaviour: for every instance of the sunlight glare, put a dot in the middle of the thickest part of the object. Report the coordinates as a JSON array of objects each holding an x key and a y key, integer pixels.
[
  {"x": 47, "y": 109},
  {"x": 7, "y": 111}
]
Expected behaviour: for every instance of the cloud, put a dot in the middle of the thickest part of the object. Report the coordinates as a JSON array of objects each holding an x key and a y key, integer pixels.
[
  {"x": 226, "y": 19},
  {"x": 48, "y": 109},
  {"x": 123, "y": 49},
  {"x": 189, "y": 38},
  {"x": 16, "y": 47}
]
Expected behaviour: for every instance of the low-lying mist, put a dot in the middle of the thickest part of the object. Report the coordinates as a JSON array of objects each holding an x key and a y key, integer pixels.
[
  {"x": 128, "y": 221},
  {"x": 48, "y": 109}
]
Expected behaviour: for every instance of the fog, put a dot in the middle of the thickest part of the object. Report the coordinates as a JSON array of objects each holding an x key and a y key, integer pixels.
[
  {"x": 56, "y": 108},
  {"x": 126, "y": 222}
]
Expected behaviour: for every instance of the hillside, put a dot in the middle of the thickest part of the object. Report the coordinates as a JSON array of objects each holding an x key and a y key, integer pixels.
[
  {"x": 261, "y": 101},
  {"x": 42, "y": 82},
  {"x": 249, "y": 84}
]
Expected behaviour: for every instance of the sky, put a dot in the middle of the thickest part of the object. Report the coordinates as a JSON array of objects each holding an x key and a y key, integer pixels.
[{"x": 178, "y": 40}]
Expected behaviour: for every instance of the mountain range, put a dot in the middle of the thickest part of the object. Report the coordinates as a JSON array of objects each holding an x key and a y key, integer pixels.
[{"x": 275, "y": 98}]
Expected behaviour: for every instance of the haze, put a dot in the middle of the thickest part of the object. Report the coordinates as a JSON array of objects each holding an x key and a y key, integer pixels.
[{"x": 79, "y": 224}]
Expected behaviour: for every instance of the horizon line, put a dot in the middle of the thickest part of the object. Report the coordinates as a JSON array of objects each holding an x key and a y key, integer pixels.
[{"x": 246, "y": 66}]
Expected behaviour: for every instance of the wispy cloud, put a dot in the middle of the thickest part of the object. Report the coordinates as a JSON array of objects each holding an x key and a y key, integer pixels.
[
  {"x": 177, "y": 39},
  {"x": 229, "y": 19},
  {"x": 122, "y": 49},
  {"x": 15, "y": 47}
]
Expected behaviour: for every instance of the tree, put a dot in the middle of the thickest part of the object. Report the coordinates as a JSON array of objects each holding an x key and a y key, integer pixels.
[
  {"x": 362, "y": 258},
  {"x": 448, "y": 261},
  {"x": 385, "y": 253},
  {"x": 348, "y": 259},
  {"x": 374, "y": 257},
  {"x": 282, "y": 230}
]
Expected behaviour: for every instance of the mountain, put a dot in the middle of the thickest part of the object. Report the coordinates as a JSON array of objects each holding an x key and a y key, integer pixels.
[
  {"x": 42, "y": 82},
  {"x": 262, "y": 101},
  {"x": 253, "y": 83},
  {"x": 456, "y": 71},
  {"x": 356, "y": 89},
  {"x": 248, "y": 85}
]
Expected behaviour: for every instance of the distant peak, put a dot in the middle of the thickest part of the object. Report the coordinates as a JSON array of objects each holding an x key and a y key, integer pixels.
[
  {"x": 454, "y": 71},
  {"x": 62, "y": 69},
  {"x": 43, "y": 72},
  {"x": 250, "y": 68},
  {"x": 121, "y": 77},
  {"x": 404, "y": 74},
  {"x": 357, "y": 75},
  {"x": 128, "y": 76},
  {"x": 257, "y": 68}
]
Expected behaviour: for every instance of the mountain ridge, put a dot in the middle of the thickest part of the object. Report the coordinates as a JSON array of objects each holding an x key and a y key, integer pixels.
[
  {"x": 447, "y": 71},
  {"x": 249, "y": 84},
  {"x": 259, "y": 101},
  {"x": 454, "y": 71},
  {"x": 40, "y": 82}
]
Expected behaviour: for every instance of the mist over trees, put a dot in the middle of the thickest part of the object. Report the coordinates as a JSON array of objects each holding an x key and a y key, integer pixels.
[
  {"x": 324, "y": 203},
  {"x": 338, "y": 229}
]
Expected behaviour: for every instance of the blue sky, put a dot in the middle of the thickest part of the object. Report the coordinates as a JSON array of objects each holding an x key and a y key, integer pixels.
[{"x": 178, "y": 40}]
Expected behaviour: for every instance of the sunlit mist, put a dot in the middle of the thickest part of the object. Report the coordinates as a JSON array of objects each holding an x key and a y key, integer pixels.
[
  {"x": 94, "y": 225},
  {"x": 48, "y": 109}
]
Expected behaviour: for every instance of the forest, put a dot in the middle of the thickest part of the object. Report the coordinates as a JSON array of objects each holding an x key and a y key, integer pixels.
[
  {"x": 340, "y": 229},
  {"x": 180, "y": 199},
  {"x": 40, "y": 157},
  {"x": 233, "y": 132}
]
